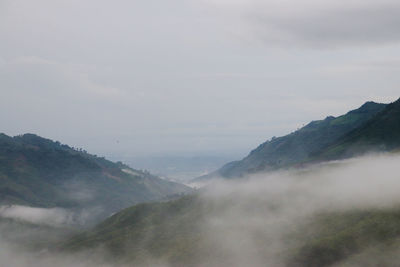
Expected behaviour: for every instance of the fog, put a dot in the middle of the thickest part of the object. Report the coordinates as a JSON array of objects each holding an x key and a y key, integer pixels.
[
  {"x": 255, "y": 217},
  {"x": 54, "y": 217},
  {"x": 368, "y": 182},
  {"x": 252, "y": 221},
  {"x": 50, "y": 217}
]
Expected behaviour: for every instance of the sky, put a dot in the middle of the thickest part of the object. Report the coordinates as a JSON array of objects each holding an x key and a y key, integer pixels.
[{"x": 190, "y": 77}]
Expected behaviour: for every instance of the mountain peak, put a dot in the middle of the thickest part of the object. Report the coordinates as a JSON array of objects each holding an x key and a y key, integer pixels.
[
  {"x": 368, "y": 107},
  {"x": 300, "y": 146}
]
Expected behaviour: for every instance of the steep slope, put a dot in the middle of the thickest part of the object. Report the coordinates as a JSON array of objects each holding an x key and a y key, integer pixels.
[
  {"x": 39, "y": 172},
  {"x": 298, "y": 146},
  {"x": 380, "y": 133}
]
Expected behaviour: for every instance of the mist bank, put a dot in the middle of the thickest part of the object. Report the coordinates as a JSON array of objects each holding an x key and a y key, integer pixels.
[
  {"x": 318, "y": 216},
  {"x": 342, "y": 213}
]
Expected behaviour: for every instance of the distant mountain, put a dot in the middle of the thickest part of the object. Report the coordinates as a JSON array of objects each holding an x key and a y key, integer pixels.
[
  {"x": 299, "y": 146},
  {"x": 39, "y": 172}
]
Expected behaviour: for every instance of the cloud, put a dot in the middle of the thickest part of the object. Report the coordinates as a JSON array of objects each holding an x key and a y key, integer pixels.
[
  {"x": 55, "y": 217},
  {"x": 51, "y": 217},
  {"x": 250, "y": 222},
  {"x": 253, "y": 217},
  {"x": 318, "y": 24}
]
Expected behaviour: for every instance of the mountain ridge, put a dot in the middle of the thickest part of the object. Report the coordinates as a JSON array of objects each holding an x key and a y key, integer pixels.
[
  {"x": 380, "y": 133},
  {"x": 298, "y": 146},
  {"x": 39, "y": 172}
]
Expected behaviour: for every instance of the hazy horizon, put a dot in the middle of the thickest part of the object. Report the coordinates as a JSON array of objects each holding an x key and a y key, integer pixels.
[{"x": 190, "y": 78}]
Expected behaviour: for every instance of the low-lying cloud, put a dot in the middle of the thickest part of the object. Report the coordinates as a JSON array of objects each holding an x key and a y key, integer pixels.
[
  {"x": 43, "y": 216},
  {"x": 254, "y": 217},
  {"x": 251, "y": 220},
  {"x": 54, "y": 217}
]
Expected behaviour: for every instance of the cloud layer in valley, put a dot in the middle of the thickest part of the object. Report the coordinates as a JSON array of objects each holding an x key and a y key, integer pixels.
[{"x": 251, "y": 221}]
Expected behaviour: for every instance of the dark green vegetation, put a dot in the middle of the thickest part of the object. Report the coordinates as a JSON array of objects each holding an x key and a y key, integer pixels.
[
  {"x": 372, "y": 127},
  {"x": 380, "y": 133},
  {"x": 39, "y": 172},
  {"x": 339, "y": 238},
  {"x": 162, "y": 232}
]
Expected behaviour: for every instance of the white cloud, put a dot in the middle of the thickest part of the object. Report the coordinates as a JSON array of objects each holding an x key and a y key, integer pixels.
[{"x": 51, "y": 217}]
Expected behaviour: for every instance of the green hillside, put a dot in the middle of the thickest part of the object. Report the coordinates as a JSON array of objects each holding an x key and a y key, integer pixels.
[
  {"x": 35, "y": 171},
  {"x": 298, "y": 146},
  {"x": 175, "y": 233},
  {"x": 334, "y": 239},
  {"x": 380, "y": 133},
  {"x": 164, "y": 231}
]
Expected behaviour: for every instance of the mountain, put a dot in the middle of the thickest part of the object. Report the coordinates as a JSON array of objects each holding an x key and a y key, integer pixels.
[
  {"x": 298, "y": 146},
  {"x": 222, "y": 227},
  {"x": 39, "y": 172},
  {"x": 380, "y": 133}
]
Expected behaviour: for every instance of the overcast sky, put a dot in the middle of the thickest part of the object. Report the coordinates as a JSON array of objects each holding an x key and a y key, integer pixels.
[{"x": 188, "y": 77}]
